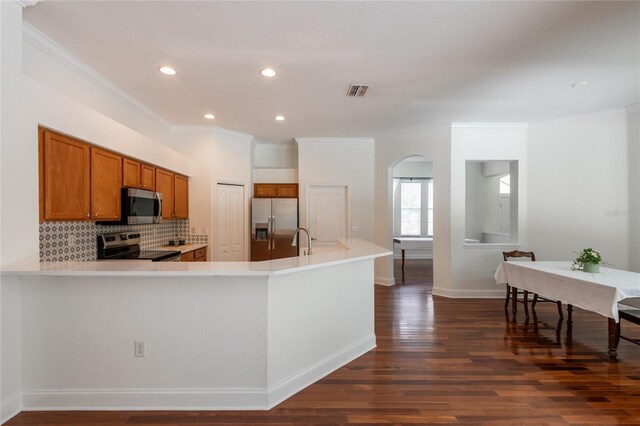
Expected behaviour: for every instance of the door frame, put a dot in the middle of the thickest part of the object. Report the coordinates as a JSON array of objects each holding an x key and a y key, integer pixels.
[
  {"x": 214, "y": 218},
  {"x": 327, "y": 185}
]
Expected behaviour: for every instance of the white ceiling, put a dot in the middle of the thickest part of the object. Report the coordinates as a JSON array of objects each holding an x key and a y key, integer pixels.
[{"x": 428, "y": 63}]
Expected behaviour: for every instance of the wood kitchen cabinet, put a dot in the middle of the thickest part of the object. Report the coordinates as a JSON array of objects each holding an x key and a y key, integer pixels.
[
  {"x": 165, "y": 185},
  {"x": 148, "y": 177},
  {"x": 275, "y": 190},
  {"x": 198, "y": 255},
  {"x": 131, "y": 173},
  {"x": 138, "y": 175},
  {"x": 106, "y": 181},
  {"x": 65, "y": 177},
  {"x": 80, "y": 181},
  {"x": 181, "y": 197}
]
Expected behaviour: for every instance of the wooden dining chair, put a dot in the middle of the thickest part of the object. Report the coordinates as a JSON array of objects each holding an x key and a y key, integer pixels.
[{"x": 512, "y": 292}]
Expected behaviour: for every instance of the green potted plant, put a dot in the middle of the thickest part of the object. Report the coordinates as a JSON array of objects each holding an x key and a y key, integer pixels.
[{"x": 588, "y": 260}]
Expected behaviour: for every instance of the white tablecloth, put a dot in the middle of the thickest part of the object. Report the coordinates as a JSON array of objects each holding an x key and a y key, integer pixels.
[{"x": 599, "y": 292}]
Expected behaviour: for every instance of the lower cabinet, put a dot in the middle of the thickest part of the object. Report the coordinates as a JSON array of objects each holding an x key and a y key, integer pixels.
[{"x": 199, "y": 255}]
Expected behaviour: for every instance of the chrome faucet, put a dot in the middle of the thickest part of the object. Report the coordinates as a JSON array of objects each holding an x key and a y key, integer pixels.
[{"x": 295, "y": 239}]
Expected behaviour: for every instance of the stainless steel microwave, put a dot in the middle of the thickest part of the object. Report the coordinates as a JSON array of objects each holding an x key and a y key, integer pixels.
[{"x": 139, "y": 207}]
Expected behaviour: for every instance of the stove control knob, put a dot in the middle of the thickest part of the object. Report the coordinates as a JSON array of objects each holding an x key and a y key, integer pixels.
[{"x": 123, "y": 237}]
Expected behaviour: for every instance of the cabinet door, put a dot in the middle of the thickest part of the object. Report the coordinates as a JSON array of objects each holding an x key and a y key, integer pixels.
[
  {"x": 130, "y": 173},
  {"x": 188, "y": 257},
  {"x": 287, "y": 190},
  {"x": 148, "y": 177},
  {"x": 181, "y": 197},
  {"x": 264, "y": 190},
  {"x": 106, "y": 181},
  {"x": 65, "y": 178},
  {"x": 164, "y": 185}
]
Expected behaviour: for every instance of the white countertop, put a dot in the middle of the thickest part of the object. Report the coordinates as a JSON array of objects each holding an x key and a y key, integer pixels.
[
  {"x": 351, "y": 250},
  {"x": 185, "y": 248}
]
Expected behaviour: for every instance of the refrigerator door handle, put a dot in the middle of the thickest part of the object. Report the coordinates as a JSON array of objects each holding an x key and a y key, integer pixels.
[
  {"x": 273, "y": 232},
  {"x": 269, "y": 233}
]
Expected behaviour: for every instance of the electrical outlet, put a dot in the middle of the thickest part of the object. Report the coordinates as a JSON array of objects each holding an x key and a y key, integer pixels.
[
  {"x": 140, "y": 350},
  {"x": 71, "y": 240},
  {"x": 354, "y": 228},
  {"x": 193, "y": 229}
]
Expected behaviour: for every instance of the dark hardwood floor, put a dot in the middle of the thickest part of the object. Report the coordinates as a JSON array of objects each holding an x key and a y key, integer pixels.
[{"x": 441, "y": 360}]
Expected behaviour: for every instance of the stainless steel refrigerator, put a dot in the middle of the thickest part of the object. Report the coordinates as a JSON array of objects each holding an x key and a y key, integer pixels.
[{"x": 273, "y": 222}]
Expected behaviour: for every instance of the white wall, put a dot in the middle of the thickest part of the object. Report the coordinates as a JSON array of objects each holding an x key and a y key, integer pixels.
[
  {"x": 633, "y": 135},
  {"x": 434, "y": 145},
  {"x": 473, "y": 265},
  {"x": 275, "y": 162},
  {"x": 413, "y": 168},
  {"x": 218, "y": 156},
  {"x": 45, "y": 61},
  {"x": 333, "y": 161},
  {"x": 474, "y": 215},
  {"x": 578, "y": 171},
  {"x": 276, "y": 155}
]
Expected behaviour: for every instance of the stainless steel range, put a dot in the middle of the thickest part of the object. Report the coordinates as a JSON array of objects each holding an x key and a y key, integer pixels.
[{"x": 126, "y": 246}]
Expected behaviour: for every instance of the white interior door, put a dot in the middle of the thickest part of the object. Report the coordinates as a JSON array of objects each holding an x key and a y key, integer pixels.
[
  {"x": 230, "y": 223},
  {"x": 328, "y": 216}
]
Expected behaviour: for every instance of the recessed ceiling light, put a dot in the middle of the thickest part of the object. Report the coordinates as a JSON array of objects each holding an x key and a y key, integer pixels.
[
  {"x": 279, "y": 117},
  {"x": 167, "y": 70},
  {"x": 209, "y": 116},
  {"x": 268, "y": 72},
  {"x": 580, "y": 83}
]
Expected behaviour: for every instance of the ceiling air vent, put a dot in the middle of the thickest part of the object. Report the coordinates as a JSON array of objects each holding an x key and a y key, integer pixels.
[{"x": 357, "y": 89}]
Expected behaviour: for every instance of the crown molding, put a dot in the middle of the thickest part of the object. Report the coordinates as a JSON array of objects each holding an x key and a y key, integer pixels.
[
  {"x": 456, "y": 125},
  {"x": 39, "y": 40},
  {"x": 633, "y": 108},
  {"x": 305, "y": 140},
  {"x": 599, "y": 114},
  {"x": 188, "y": 127},
  {"x": 27, "y": 3}
]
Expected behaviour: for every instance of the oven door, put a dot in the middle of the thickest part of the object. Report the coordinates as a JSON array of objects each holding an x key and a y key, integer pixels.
[{"x": 140, "y": 206}]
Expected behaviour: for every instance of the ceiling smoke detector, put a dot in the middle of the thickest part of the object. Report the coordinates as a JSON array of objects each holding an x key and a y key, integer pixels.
[{"x": 357, "y": 89}]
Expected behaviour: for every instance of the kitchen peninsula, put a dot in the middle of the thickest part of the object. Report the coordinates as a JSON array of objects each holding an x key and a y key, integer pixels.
[{"x": 217, "y": 335}]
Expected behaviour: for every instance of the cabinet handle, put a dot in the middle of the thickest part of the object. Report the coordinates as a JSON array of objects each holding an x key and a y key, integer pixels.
[{"x": 87, "y": 215}]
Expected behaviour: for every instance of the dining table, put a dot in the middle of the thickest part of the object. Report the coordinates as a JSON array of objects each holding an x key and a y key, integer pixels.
[{"x": 599, "y": 292}]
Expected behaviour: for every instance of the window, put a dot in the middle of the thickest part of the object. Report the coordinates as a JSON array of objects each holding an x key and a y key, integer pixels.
[
  {"x": 410, "y": 208},
  {"x": 413, "y": 207},
  {"x": 505, "y": 184}
]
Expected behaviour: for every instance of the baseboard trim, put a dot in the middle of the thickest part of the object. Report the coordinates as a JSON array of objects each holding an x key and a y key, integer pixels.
[
  {"x": 184, "y": 399},
  {"x": 304, "y": 378},
  {"x": 384, "y": 281},
  {"x": 145, "y": 399},
  {"x": 10, "y": 407},
  {"x": 469, "y": 293}
]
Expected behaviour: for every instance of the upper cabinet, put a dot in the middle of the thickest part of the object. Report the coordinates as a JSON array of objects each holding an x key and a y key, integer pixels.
[
  {"x": 181, "y": 197},
  {"x": 65, "y": 177},
  {"x": 148, "y": 177},
  {"x": 131, "y": 175},
  {"x": 165, "y": 185},
  {"x": 106, "y": 172},
  {"x": 79, "y": 181},
  {"x": 287, "y": 190},
  {"x": 275, "y": 190},
  {"x": 138, "y": 175}
]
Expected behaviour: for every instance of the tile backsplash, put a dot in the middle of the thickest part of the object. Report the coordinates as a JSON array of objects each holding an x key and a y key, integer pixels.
[{"x": 76, "y": 241}]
